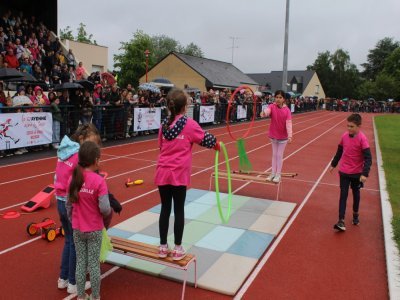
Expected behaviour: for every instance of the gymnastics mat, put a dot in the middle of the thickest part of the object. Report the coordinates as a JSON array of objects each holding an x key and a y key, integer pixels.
[{"x": 226, "y": 253}]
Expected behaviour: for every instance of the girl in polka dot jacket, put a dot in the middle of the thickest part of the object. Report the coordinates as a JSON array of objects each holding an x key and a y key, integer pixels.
[{"x": 176, "y": 138}]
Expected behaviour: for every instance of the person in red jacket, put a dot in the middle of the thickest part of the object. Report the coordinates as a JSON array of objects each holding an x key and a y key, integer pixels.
[{"x": 11, "y": 59}]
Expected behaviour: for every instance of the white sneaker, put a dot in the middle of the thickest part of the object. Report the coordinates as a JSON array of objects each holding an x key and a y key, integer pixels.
[
  {"x": 62, "y": 283},
  {"x": 277, "y": 179},
  {"x": 19, "y": 152},
  {"x": 24, "y": 150},
  {"x": 270, "y": 177},
  {"x": 72, "y": 288}
]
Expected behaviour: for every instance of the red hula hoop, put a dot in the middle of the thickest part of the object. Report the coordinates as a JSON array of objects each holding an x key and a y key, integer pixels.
[{"x": 228, "y": 111}]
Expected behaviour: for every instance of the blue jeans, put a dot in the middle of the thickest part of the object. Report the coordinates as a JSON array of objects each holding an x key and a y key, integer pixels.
[{"x": 68, "y": 258}]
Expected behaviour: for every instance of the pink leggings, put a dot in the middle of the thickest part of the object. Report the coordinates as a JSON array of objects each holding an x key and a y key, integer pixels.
[{"x": 278, "y": 147}]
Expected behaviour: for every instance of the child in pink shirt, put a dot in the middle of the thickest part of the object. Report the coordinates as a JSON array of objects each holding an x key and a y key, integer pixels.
[
  {"x": 87, "y": 205},
  {"x": 355, "y": 162},
  {"x": 67, "y": 155},
  {"x": 280, "y": 132},
  {"x": 176, "y": 138}
]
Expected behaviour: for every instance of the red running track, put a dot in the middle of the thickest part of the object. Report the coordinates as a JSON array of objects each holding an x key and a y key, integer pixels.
[{"x": 307, "y": 260}]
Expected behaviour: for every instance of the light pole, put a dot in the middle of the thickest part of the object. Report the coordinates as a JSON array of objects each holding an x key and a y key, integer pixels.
[
  {"x": 285, "y": 49},
  {"x": 147, "y": 53}
]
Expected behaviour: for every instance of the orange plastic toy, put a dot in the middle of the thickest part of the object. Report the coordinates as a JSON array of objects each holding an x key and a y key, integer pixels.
[
  {"x": 41, "y": 199},
  {"x": 129, "y": 182},
  {"x": 48, "y": 229}
]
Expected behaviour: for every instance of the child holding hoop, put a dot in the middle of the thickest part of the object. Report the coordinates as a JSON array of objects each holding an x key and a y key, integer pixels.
[
  {"x": 176, "y": 138},
  {"x": 280, "y": 132}
]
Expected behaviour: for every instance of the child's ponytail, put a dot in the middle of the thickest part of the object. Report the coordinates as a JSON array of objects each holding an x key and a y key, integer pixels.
[
  {"x": 76, "y": 183},
  {"x": 88, "y": 154}
]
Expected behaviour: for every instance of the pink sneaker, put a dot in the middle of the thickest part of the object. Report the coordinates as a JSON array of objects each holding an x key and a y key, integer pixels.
[
  {"x": 163, "y": 251},
  {"x": 178, "y": 253}
]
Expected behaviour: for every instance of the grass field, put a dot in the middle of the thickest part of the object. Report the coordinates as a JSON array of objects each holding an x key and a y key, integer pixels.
[{"x": 389, "y": 139}]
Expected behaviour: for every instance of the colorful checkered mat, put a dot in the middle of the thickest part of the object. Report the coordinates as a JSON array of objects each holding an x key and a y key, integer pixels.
[{"x": 226, "y": 253}]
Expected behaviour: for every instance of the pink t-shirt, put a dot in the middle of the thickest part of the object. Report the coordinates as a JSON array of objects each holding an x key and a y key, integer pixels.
[
  {"x": 175, "y": 159},
  {"x": 279, "y": 116},
  {"x": 352, "y": 160},
  {"x": 86, "y": 215},
  {"x": 64, "y": 171}
]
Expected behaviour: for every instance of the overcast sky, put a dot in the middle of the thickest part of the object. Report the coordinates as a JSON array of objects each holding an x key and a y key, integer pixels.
[{"x": 257, "y": 25}]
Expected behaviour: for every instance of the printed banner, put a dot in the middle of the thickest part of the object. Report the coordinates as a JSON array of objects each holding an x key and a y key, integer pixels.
[
  {"x": 207, "y": 114},
  {"x": 19, "y": 130},
  {"x": 241, "y": 112},
  {"x": 189, "y": 111},
  {"x": 146, "y": 118},
  {"x": 264, "y": 107}
]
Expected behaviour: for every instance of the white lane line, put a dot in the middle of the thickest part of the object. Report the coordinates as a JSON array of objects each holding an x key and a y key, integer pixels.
[
  {"x": 20, "y": 245},
  {"x": 276, "y": 242},
  {"x": 105, "y": 274},
  {"x": 391, "y": 250}
]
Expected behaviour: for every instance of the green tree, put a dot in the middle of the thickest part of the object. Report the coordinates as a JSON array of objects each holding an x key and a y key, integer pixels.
[
  {"x": 193, "y": 50},
  {"x": 322, "y": 66},
  {"x": 66, "y": 34},
  {"x": 83, "y": 36},
  {"x": 377, "y": 56},
  {"x": 392, "y": 64},
  {"x": 346, "y": 76},
  {"x": 338, "y": 76},
  {"x": 162, "y": 45},
  {"x": 132, "y": 61}
]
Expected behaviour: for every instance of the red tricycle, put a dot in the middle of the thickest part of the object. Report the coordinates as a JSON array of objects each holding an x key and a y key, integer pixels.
[{"x": 48, "y": 229}]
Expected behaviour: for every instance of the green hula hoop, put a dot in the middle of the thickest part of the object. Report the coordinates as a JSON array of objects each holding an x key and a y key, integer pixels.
[{"x": 224, "y": 219}]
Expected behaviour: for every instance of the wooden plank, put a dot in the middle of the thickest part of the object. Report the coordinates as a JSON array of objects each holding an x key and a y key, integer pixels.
[
  {"x": 264, "y": 173},
  {"x": 244, "y": 177},
  {"x": 146, "y": 250}
]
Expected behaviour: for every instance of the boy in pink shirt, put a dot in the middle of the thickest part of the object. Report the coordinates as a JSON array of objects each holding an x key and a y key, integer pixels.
[
  {"x": 355, "y": 162},
  {"x": 280, "y": 132},
  {"x": 176, "y": 138}
]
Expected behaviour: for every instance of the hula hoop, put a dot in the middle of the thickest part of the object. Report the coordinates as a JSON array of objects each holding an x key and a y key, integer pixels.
[
  {"x": 228, "y": 111},
  {"x": 228, "y": 169}
]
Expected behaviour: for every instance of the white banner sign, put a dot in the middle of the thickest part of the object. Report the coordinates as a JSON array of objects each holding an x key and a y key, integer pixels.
[
  {"x": 19, "y": 130},
  {"x": 241, "y": 112},
  {"x": 146, "y": 118},
  {"x": 264, "y": 107},
  {"x": 207, "y": 114},
  {"x": 189, "y": 111}
]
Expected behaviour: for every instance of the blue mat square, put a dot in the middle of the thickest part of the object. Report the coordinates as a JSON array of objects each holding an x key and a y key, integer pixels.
[
  {"x": 120, "y": 233},
  {"x": 221, "y": 238},
  {"x": 251, "y": 244},
  {"x": 193, "y": 210},
  {"x": 145, "y": 239},
  {"x": 193, "y": 194}
]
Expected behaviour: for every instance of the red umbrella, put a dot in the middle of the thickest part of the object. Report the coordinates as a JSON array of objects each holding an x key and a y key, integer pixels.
[{"x": 108, "y": 78}]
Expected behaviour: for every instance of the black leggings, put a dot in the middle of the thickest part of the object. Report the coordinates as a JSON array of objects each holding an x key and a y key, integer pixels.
[
  {"x": 345, "y": 183},
  {"x": 167, "y": 193}
]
